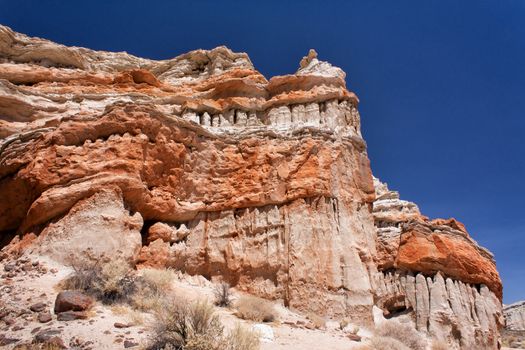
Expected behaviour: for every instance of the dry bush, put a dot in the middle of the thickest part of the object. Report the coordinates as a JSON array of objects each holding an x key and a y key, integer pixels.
[
  {"x": 240, "y": 338},
  {"x": 187, "y": 326},
  {"x": 439, "y": 345},
  {"x": 158, "y": 280},
  {"x": 317, "y": 321},
  {"x": 184, "y": 326},
  {"x": 387, "y": 343},
  {"x": 343, "y": 323},
  {"x": 105, "y": 279},
  {"x": 255, "y": 309},
  {"x": 403, "y": 332},
  {"x": 132, "y": 316},
  {"x": 222, "y": 294},
  {"x": 152, "y": 286}
]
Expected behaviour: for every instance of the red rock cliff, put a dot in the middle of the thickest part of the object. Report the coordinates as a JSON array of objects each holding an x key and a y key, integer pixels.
[{"x": 201, "y": 163}]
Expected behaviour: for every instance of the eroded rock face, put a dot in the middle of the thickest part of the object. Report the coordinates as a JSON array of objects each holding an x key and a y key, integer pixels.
[
  {"x": 202, "y": 164},
  {"x": 436, "y": 272},
  {"x": 515, "y": 316}
]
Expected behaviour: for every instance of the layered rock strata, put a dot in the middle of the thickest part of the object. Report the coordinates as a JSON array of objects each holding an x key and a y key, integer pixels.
[
  {"x": 435, "y": 272},
  {"x": 202, "y": 164},
  {"x": 515, "y": 316}
]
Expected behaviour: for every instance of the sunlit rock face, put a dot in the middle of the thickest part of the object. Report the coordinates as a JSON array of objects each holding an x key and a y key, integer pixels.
[
  {"x": 204, "y": 165},
  {"x": 434, "y": 271},
  {"x": 515, "y": 316}
]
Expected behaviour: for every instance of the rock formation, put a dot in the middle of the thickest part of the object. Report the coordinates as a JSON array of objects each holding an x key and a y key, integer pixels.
[
  {"x": 515, "y": 316},
  {"x": 435, "y": 270},
  {"x": 202, "y": 164}
]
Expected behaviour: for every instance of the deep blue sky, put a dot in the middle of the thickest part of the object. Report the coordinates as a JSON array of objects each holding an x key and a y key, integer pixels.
[{"x": 441, "y": 83}]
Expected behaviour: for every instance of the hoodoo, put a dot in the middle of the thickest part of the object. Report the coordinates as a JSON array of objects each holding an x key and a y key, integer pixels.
[{"x": 201, "y": 164}]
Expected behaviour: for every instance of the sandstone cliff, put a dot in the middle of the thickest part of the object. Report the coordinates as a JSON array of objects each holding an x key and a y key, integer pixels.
[
  {"x": 202, "y": 164},
  {"x": 515, "y": 316}
]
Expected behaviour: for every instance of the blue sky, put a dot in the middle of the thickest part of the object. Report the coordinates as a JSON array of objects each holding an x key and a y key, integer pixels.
[{"x": 441, "y": 84}]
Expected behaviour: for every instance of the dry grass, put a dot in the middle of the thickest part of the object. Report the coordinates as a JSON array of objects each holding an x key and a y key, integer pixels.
[
  {"x": 240, "y": 338},
  {"x": 222, "y": 294},
  {"x": 185, "y": 326},
  {"x": 158, "y": 280},
  {"x": 107, "y": 280},
  {"x": 343, "y": 323},
  {"x": 404, "y": 333},
  {"x": 439, "y": 345},
  {"x": 152, "y": 287},
  {"x": 317, "y": 321},
  {"x": 133, "y": 317},
  {"x": 255, "y": 309},
  {"x": 387, "y": 343}
]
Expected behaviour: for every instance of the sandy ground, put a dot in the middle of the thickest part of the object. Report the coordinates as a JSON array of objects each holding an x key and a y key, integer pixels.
[{"x": 39, "y": 284}]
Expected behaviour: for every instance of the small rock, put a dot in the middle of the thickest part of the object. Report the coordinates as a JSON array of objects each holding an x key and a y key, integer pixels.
[
  {"x": 53, "y": 270},
  {"x": 354, "y": 337},
  {"x": 17, "y": 328},
  {"x": 129, "y": 344},
  {"x": 107, "y": 332},
  {"x": 56, "y": 342},
  {"x": 35, "y": 263},
  {"x": 45, "y": 335},
  {"x": 9, "y": 320},
  {"x": 44, "y": 317},
  {"x": 38, "y": 307},
  {"x": 9, "y": 267},
  {"x": 71, "y": 315},
  {"x": 72, "y": 301},
  {"x": 6, "y": 341},
  {"x": 121, "y": 325}
]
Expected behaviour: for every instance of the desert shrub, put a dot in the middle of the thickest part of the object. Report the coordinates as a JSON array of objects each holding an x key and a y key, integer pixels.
[
  {"x": 195, "y": 326},
  {"x": 152, "y": 286},
  {"x": 39, "y": 346},
  {"x": 187, "y": 326},
  {"x": 403, "y": 332},
  {"x": 157, "y": 280},
  {"x": 132, "y": 316},
  {"x": 439, "y": 345},
  {"x": 387, "y": 343},
  {"x": 106, "y": 279},
  {"x": 114, "y": 280},
  {"x": 317, "y": 321},
  {"x": 222, "y": 294},
  {"x": 343, "y": 323},
  {"x": 255, "y": 309},
  {"x": 240, "y": 338}
]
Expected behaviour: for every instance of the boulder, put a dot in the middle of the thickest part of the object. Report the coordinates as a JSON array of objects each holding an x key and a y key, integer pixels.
[{"x": 72, "y": 301}]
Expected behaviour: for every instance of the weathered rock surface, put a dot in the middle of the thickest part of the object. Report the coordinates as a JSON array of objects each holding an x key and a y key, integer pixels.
[
  {"x": 72, "y": 301},
  {"x": 202, "y": 164},
  {"x": 515, "y": 316},
  {"x": 437, "y": 272}
]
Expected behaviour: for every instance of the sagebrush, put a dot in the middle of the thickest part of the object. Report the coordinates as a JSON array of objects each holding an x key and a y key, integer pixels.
[
  {"x": 403, "y": 332},
  {"x": 194, "y": 326},
  {"x": 255, "y": 309},
  {"x": 108, "y": 280},
  {"x": 222, "y": 294}
]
